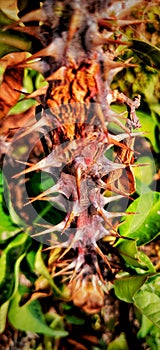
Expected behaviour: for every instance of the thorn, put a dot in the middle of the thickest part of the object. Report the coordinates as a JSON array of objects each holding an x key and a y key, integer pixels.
[
  {"x": 78, "y": 181},
  {"x": 103, "y": 215},
  {"x": 50, "y": 190},
  {"x": 64, "y": 270},
  {"x": 66, "y": 251},
  {"x": 69, "y": 219},
  {"x": 98, "y": 271},
  {"x": 98, "y": 250}
]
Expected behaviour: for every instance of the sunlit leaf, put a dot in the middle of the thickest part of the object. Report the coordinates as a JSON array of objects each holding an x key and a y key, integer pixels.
[
  {"x": 149, "y": 304},
  {"x": 145, "y": 225},
  {"x": 153, "y": 338},
  {"x": 119, "y": 343},
  {"x": 3, "y": 315},
  {"x": 29, "y": 317},
  {"x": 126, "y": 287},
  {"x": 9, "y": 265},
  {"x": 148, "y": 125},
  {"x": 146, "y": 325},
  {"x": 22, "y": 106},
  {"x": 41, "y": 268},
  {"x": 145, "y": 173},
  {"x": 153, "y": 284},
  {"x": 128, "y": 250},
  {"x": 5, "y": 305}
]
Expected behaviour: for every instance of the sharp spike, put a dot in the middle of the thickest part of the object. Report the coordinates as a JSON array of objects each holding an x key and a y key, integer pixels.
[
  {"x": 78, "y": 181},
  {"x": 102, "y": 213},
  {"x": 70, "y": 217},
  {"x": 65, "y": 269},
  {"x": 50, "y": 190},
  {"x": 98, "y": 250},
  {"x": 98, "y": 271},
  {"x": 66, "y": 251}
]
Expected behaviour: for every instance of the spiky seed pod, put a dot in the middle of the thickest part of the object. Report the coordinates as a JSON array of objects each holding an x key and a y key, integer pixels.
[{"x": 75, "y": 114}]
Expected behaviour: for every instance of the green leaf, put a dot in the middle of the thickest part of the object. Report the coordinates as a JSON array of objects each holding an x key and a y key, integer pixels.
[
  {"x": 146, "y": 325},
  {"x": 145, "y": 225},
  {"x": 148, "y": 125},
  {"x": 29, "y": 317},
  {"x": 153, "y": 284},
  {"x": 74, "y": 320},
  {"x": 42, "y": 270},
  {"x": 7, "y": 228},
  {"x": 149, "y": 304},
  {"x": 4, "y": 307},
  {"x": 129, "y": 252},
  {"x": 13, "y": 215},
  {"x": 145, "y": 260},
  {"x": 145, "y": 173},
  {"x": 148, "y": 51},
  {"x": 30, "y": 257},
  {"x": 9, "y": 265},
  {"x": 3, "y": 315},
  {"x": 22, "y": 106},
  {"x": 126, "y": 287},
  {"x": 153, "y": 340},
  {"x": 119, "y": 343}
]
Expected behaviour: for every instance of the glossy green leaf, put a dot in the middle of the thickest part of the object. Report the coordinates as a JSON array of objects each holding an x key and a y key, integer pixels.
[
  {"x": 153, "y": 284},
  {"x": 9, "y": 265},
  {"x": 148, "y": 126},
  {"x": 126, "y": 287},
  {"x": 148, "y": 51},
  {"x": 133, "y": 257},
  {"x": 149, "y": 304},
  {"x": 145, "y": 225},
  {"x": 145, "y": 260},
  {"x": 145, "y": 173},
  {"x": 29, "y": 317},
  {"x": 129, "y": 252}
]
